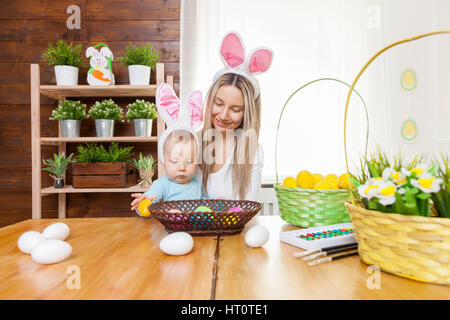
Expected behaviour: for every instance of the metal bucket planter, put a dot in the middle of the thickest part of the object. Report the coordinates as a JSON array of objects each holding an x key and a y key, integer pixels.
[
  {"x": 104, "y": 127},
  {"x": 143, "y": 127},
  {"x": 70, "y": 128}
]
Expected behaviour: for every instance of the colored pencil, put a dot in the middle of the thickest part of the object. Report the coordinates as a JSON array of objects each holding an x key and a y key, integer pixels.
[{"x": 332, "y": 258}]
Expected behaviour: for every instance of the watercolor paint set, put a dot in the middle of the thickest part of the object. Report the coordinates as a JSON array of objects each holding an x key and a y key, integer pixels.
[{"x": 320, "y": 237}]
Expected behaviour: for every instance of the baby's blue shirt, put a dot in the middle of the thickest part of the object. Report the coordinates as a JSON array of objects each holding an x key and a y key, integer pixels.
[{"x": 166, "y": 190}]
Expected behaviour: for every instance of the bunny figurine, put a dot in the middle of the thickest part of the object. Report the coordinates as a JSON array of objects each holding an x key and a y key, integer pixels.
[
  {"x": 100, "y": 72},
  {"x": 177, "y": 116}
]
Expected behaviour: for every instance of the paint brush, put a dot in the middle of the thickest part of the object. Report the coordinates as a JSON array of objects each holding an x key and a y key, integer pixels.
[
  {"x": 331, "y": 258},
  {"x": 328, "y": 252},
  {"x": 307, "y": 253}
]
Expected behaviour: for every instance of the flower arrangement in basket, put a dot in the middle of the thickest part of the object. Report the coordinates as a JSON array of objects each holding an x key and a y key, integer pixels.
[
  {"x": 309, "y": 200},
  {"x": 400, "y": 212}
]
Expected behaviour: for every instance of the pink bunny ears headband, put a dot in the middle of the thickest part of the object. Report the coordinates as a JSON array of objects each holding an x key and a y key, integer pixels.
[
  {"x": 177, "y": 116},
  {"x": 232, "y": 53}
]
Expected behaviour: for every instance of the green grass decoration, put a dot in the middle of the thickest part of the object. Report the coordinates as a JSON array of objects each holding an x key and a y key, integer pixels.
[{"x": 92, "y": 152}]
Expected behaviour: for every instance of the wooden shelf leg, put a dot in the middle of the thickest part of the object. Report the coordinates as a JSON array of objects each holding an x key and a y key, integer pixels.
[
  {"x": 161, "y": 126},
  {"x": 62, "y": 197},
  {"x": 35, "y": 143}
]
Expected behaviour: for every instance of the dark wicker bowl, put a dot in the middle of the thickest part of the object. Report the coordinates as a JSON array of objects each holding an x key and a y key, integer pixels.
[{"x": 217, "y": 222}]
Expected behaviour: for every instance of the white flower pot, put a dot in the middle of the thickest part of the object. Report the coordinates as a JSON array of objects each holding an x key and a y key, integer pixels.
[
  {"x": 66, "y": 75},
  {"x": 139, "y": 75}
]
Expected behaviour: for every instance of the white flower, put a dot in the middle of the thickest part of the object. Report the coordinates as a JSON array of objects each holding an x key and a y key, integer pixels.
[
  {"x": 397, "y": 177},
  {"x": 419, "y": 170},
  {"x": 427, "y": 183},
  {"x": 370, "y": 189},
  {"x": 387, "y": 193}
]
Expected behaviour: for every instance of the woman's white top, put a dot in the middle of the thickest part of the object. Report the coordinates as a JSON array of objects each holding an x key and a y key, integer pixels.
[{"x": 220, "y": 183}]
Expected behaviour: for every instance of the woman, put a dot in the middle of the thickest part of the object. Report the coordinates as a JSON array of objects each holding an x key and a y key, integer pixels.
[{"x": 232, "y": 156}]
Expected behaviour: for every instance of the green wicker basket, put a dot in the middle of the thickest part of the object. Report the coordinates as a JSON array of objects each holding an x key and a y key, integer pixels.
[{"x": 310, "y": 207}]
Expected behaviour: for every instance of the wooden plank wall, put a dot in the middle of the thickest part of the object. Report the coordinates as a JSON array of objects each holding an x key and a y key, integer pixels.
[{"x": 26, "y": 29}]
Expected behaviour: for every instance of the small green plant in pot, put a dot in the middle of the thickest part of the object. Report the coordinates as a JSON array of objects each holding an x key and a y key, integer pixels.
[
  {"x": 105, "y": 113},
  {"x": 140, "y": 61},
  {"x": 66, "y": 59},
  {"x": 57, "y": 166},
  {"x": 69, "y": 113},
  {"x": 98, "y": 167},
  {"x": 146, "y": 166},
  {"x": 142, "y": 113}
]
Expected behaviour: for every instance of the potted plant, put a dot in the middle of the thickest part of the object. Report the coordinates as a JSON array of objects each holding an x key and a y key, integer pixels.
[
  {"x": 69, "y": 113},
  {"x": 98, "y": 167},
  {"x": 441, "y": 199},
  {"x": 105, "y": 113},
  {"x": 66, "y": 58},
  {"x": 57, "y": 166},
  {"x": 140, "y": 61},
  {"x": 146, "y": 166},
  {"x": 142, "y": 113}
]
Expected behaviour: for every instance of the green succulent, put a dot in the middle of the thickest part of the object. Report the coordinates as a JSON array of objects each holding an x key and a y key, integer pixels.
[
  {"x": 58, "y": 165},
  {"x": 144, "y": 163}
]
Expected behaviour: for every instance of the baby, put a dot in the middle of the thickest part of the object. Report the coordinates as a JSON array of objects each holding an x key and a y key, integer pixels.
[
  {"x": 177, "y": 148},
  {"x": 179, "y": 183}
]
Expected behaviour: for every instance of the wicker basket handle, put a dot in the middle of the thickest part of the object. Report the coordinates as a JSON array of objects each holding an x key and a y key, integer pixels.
[
  {"x": 299, "y": 89},
  {"x": 359, "y": 76}
]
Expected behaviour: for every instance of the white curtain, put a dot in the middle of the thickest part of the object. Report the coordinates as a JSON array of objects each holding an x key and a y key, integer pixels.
[{"x": 328, "y": 38}]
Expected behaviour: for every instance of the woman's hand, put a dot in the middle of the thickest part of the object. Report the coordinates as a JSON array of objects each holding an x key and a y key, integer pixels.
[{"x": 138, "y": 198}]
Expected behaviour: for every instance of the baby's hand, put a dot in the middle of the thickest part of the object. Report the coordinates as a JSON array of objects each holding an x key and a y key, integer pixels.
[{"x": 139, "y": 197}]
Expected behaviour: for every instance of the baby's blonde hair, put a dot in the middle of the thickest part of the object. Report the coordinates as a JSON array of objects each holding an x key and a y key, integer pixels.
[{"x": 177, "y": 137}]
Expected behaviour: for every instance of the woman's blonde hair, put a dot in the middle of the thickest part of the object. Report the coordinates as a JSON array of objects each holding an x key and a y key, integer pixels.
[{"x": 246, "y": 137}]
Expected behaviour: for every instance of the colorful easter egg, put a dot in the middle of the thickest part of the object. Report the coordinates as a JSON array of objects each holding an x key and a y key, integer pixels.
[
  {"x": 202, "y": 209},
  {"x": 174, "y": 211},
  {"x": 143, "y": 208},
  {"x": 235, "y": 209},
  {"x": 409, "y": 130}
]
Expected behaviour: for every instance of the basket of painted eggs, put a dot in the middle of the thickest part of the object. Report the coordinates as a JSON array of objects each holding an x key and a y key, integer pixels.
[
  {"x": 207, "y": 217},
  {"x": 313, "y": 199}
]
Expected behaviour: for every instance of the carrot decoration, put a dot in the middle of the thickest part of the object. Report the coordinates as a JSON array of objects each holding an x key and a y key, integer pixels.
[{"x": 99, "y": 75}]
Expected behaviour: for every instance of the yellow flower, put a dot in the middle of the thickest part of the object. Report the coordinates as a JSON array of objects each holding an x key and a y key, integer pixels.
[
  {"x": 387, "y": 193},
  {"x": 397, "y": 177},
  {"x": 427, "y": 183}
]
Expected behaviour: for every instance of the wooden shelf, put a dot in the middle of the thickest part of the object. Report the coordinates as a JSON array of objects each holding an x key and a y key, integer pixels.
[
  {"x": 60, "y": 92},
  {"x": 70, "y": 189},
  {"x": 56, "y": 140},
  {"x": 63, "y": 92}
]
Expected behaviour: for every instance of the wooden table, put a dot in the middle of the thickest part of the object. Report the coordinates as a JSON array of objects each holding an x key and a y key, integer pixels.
[{"x": 119, "y": 258}]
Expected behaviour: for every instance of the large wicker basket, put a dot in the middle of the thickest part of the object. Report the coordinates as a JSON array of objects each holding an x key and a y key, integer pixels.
[
  {"x": 219, "y": 222},
  {"x": 414, "y": 247},
  {"x": 409, "y": 246},
  {"x": 309, "y": 207}
]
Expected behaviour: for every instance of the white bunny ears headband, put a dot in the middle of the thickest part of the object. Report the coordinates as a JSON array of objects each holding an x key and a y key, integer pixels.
[
  {"x": 177, "y": 116},
  {"x": 232, "y": 53}
]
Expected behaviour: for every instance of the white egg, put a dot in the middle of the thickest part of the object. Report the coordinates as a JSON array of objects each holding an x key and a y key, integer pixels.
[
  {"x": 28, "y": 240},
  {"x": 51, "y": 251},
  {"x": 59, "y": 231},
  {"x": 177, "y": 243},
  {"x": 256, "y": 236}
]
